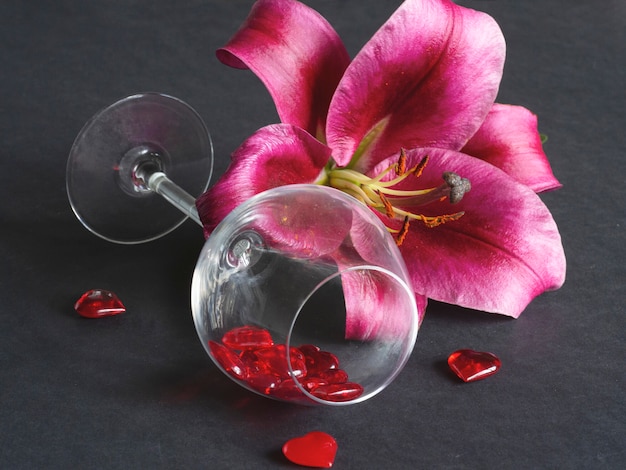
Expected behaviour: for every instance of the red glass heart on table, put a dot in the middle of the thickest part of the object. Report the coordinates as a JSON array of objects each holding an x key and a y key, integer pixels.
[
  {"x": 470, "y": 365},
  {"x": 96, "y": 303},
  {"x": 315, "y": 449}
]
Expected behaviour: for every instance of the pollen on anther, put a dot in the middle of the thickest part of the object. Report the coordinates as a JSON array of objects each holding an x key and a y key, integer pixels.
[
  {"x": 388, "y": 207},
  {"x": 419, "y": 168},
  {"x": 401, "y": 165},
  {"x": 432, "y": 222},
  {"x": 403, "y": 231}
]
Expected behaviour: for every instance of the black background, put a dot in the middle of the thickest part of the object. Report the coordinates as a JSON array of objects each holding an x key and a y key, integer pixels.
[{"x": 137, "y": 390}]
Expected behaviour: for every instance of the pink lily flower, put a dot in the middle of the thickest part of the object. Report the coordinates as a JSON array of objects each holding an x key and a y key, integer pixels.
[{"x": 404, "y": 128}]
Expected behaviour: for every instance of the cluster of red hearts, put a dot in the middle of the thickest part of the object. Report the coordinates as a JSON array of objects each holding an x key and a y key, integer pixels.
[{"x": 248, "y": 354}]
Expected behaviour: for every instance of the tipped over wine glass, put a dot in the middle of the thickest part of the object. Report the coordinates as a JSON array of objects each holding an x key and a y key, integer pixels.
[{"x": 270, "y": 287}]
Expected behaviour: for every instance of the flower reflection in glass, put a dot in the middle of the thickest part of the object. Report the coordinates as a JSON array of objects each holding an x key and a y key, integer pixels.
[{"x": 404, "y": 127}]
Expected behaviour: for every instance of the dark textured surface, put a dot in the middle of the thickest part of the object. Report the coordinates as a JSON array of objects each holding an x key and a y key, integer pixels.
[{"x": 137, "y": 391}]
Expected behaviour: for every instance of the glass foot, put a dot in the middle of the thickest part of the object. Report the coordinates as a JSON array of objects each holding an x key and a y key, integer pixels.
[{"x": 148, "y": 130}]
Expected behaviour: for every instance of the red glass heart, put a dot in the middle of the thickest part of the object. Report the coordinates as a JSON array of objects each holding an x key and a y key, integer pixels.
[
  {"x": 319, "y": 361},
  {"x": 311, "y": 383},
  {"x": 252, "y": 363},
  {"x": 308, "y": 349},
  {"x": 334, "y": 376},
  {"x": 472, "y": 365},
  {"x": 274, "y": 359},
  {"x": 338, "y": 392},
  {"x": 265, "y": 383},
  {"x": 315, "y": 449},
  {"x": 287, "y": 390},
  {"x": 229, "y": 361},
  {"x": 247, "y": 337},
  {"x": 96, "y": 303}
]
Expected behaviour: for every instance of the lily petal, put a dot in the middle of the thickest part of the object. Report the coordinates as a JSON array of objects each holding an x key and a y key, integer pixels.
[
  {"x": 297, "y": 55},
  {"x": 428, "y": 77},
  {"x": 376, "y": 306},
  {"x": 275, "y": 155},
  {"x": 509, "y": 139},
  {"x": 366, "y": 245},
  {"x": 501, "y": 254},
  {"x": 304, "y": 221}
]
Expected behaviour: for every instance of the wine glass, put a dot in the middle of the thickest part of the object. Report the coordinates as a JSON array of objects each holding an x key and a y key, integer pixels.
[{"x": 300, "y": 294}]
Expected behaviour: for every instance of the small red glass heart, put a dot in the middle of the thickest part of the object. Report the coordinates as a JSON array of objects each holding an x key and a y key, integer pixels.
[
  {"x": 247, "y": 337},
  {"x": 472, "y": 365},
  {"x": 275, "y": 360},
  {"x": 338, "y": 392},
  {"x": 96, "y": 303},
  {"x": 334, "y": 376},
  {"x": 319, "y": 361},
  {"x": 315, "y": 449},
  {"x": 228, "y": 360}
]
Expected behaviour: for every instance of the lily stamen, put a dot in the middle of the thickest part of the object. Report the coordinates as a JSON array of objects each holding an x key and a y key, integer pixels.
[
  {"x": 388, "y": 207},
  {"x": 432, "y": 222},
  {"x": 419, "y": 168},
  {"x": 401, "y": 165},
  {"x": 454, "y": 189},
  {"x": 395, "y": 203},
  {"x": 403, "y": 231}
]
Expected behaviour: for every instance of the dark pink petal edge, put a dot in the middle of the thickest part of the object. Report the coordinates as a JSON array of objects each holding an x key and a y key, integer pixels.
[
  {"x": 510, "y": 140},
  {"x": 297, "y": 55}
]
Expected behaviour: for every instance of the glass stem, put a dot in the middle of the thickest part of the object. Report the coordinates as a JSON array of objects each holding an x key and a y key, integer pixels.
[{"x": 174, "y": 194}]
